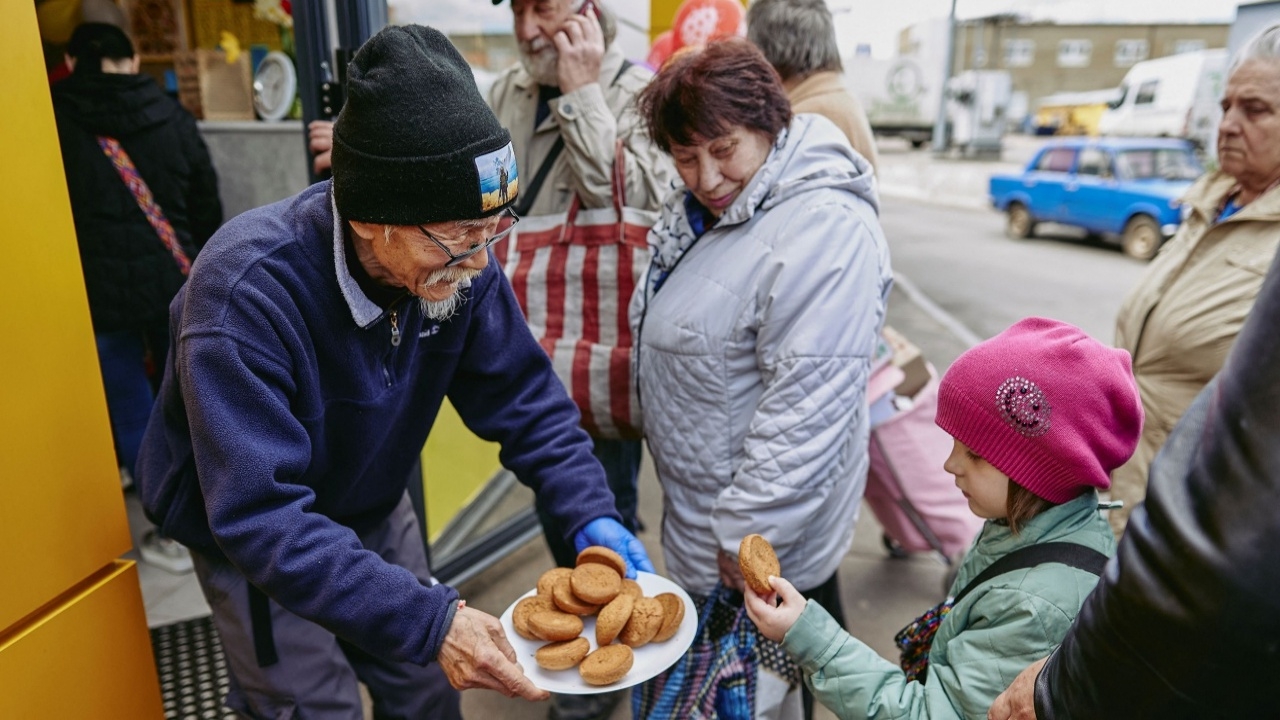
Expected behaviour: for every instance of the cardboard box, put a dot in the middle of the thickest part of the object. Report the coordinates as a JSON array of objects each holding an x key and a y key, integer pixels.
[
  {"x": 908, "y": 358},
  {"x": 211, "y": 88}
]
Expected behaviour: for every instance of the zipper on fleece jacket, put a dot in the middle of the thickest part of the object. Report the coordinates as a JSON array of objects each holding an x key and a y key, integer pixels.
[{"x": 395, "y": 343}]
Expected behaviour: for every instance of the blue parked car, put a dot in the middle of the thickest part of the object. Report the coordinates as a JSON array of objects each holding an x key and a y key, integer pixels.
[{"x": 1125, "y": 187}]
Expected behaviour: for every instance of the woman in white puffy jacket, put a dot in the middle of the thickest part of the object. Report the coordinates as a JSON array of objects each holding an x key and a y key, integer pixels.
[{"x": 756, "y": 324}]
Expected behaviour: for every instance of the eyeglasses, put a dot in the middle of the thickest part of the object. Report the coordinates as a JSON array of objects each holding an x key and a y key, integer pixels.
[{"x": 461, "y": 257}]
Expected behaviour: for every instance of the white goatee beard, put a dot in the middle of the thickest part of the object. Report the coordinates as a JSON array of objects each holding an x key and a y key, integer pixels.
[
  {"x": 441, "y": 310},
  {"x": 540, "y": 61}
]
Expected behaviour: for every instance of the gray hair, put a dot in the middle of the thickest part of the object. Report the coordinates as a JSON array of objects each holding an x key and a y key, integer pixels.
[
  {"x": 796, "y": 36},
  {"x": 1263, "y": 46}
]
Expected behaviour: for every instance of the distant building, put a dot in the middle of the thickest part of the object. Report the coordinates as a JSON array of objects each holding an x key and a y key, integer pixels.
[{"x": 1046, "y": 58}]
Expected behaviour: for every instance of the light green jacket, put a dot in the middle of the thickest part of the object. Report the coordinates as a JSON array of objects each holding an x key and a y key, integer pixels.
[{"x": 999, "y": 629}]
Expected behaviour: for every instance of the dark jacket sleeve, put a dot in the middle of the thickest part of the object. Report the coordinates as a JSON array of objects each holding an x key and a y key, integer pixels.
[
  {"x": 1186, "y": 621},
  {"x": 204, "y": 205}
]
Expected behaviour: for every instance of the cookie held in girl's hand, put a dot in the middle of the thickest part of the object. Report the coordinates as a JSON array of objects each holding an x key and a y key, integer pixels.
[{"x": 758, "y": 561}]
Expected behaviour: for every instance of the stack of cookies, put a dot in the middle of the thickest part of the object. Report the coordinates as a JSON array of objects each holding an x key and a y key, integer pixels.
[{"x": 596, "y": 586}]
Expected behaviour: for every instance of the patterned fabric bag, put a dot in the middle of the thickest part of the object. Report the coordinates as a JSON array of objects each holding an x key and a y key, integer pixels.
[
  {"x": 573, "y": 274},
  {"x": 719, "y": 676},
  {"x": 915, "y": 639}
]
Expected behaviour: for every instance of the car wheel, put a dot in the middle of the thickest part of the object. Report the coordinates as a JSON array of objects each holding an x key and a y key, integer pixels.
[
  {"x": 1020, "y": 225},
  {"x": 1141, "y": 238}
]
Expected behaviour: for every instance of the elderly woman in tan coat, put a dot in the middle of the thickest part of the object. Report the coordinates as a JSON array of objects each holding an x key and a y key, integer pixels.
[
  {"x": 798, "y": 39},
  {"x": 1181, "y": 319}
]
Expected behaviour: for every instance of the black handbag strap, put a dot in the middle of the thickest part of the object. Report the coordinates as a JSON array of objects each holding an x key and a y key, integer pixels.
[
  {"x": 1067, "y": 553},
  {"x": 527, "y": 197}
]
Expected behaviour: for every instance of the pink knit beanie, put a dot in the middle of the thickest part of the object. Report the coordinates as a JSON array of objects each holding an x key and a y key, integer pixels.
[{"x": 1047, "y": 405}]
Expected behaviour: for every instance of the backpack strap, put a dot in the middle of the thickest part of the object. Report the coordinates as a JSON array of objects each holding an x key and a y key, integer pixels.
[
  {"x": 1067, "y": 553},
  {"x": 528, "y": 197}
]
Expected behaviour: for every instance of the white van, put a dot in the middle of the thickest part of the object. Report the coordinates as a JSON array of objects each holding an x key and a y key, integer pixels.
[{"x": 1174, "y": 96}]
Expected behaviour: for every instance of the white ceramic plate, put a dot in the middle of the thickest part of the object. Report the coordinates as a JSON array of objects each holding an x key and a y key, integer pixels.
[{"x": 651, "y": 659}]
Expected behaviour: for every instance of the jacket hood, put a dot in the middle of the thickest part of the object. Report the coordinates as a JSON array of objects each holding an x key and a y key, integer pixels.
[
  {"x": 112, "y": 104},
  {"x": 810, "y": 154}
]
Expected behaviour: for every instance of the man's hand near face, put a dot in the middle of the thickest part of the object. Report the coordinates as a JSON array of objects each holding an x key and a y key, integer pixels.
[{"x": 580, "y": 46}]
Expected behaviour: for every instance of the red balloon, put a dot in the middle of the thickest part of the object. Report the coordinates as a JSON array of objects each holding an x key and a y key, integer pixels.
[
  {"x": 661, "y": 50},
  {"x": 698, "y": 22}
]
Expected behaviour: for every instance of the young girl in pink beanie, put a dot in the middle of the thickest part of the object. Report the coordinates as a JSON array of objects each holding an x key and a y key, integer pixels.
[{"x": 1041, "y": 414}]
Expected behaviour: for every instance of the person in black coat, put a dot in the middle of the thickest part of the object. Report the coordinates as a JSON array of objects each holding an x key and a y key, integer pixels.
[{"x": 130, "y": 274}]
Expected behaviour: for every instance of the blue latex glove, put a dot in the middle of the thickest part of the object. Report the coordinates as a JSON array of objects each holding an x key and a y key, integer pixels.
[{"x": 611, "y": 534}]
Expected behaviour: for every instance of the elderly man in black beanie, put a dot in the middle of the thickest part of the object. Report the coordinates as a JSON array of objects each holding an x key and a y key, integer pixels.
[{"x": 313, "y": 347}]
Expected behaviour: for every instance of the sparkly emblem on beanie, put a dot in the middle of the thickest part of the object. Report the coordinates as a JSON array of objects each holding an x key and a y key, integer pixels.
[
  {"x": 415, "y": 143},
  {"x": 1045, "y": 404},
  {"x": 1024, "y": 406}
]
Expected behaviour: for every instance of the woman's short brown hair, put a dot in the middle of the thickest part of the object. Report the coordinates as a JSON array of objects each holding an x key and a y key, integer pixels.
[
  {"x": 1022, "y": 506},
  {"x": 705, "y": 93}
]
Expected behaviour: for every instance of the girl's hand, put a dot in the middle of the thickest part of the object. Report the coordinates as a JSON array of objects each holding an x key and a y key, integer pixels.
[{"x": 772, "y": 619}]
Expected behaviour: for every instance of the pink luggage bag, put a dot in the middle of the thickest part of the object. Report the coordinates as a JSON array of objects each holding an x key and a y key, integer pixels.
[{"x": 914, "y": 498}]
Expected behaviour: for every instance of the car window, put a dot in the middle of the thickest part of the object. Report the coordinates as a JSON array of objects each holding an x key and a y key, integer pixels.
[
  {"x": 1056, "y": 160},
  {"x": 1157, "y": 163},
  {"x": 1146, "y": 93},
  {"x": 1094, "y": 162}
]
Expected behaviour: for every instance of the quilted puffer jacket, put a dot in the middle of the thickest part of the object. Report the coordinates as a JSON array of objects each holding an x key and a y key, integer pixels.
[
  {"x": 1185, "y": 622},
  {"x": 753, "y": 355}
]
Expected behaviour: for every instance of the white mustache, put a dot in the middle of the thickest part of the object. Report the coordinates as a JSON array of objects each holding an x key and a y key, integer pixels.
[{"x": 449, "y": 276}]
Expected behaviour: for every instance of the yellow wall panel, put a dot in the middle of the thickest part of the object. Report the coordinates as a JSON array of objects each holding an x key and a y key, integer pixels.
[
  {"x": 89, "y": 658},
  {"x": 455, "y": 465},
  {"x": 61, "y": 510}
]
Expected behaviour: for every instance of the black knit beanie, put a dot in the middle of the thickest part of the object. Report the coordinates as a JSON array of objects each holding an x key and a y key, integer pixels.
[{"x": 415, "y": 143}]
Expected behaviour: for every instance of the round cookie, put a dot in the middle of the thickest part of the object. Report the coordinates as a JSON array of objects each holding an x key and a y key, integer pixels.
[
  {"x": 562, "y": 655},
  {"x": 595, "y": 583},
  {"x": 646, "y": 620},
  {"x": 672, "y": 616},
  {"x": 612, "y": 618},
  {"x": 758, "y": 561},
  {"x": 607, "y": 665},
  {"x": 562, "y": 595},
  {"x": 604, "y": 556},
  {"x": 555, "y": 625},
  {"x": 524, "y": 609},
  {"x": 548, "y": 579},
  {"x": 632, "y": 588}
]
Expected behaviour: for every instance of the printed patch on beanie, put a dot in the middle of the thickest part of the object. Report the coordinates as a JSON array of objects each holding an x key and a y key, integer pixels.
[
  {"x": 499, "y": 181},
  {"x": 1023, "y": 405}
]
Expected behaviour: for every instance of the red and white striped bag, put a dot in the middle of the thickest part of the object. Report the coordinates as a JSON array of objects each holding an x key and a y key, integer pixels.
[{"x": 573, "y": 274}]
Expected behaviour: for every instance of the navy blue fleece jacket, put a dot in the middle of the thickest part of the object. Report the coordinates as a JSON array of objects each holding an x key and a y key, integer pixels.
[{"x": 289, "y": 421}]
